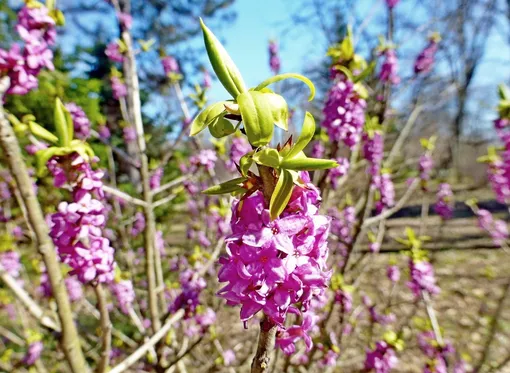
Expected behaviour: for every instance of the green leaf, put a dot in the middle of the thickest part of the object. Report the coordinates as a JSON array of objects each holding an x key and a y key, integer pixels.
[
  {"x": 307, "y": 164},
  {"x": 257, "y": 117},
  {"x": 42, "y": 132},
  {"x": 282, "y": 193},
  {"x": 280, "y": 77},
  {"x": 305, "y": 137},
  {"x": 279, "y": 110},
  {"x": 267, "y": 157},
  {"x": 245, "y": 163},
  {"x": 230, "y": 186},
  {"x": 206, "y": 117},
  {"x": 223, "y": 66},
  {"x": 61, "y": 125},
  {"x": 365, "y": 73},
  {"x": 82, "y": 148},
  {"x": 43, "y": 156},
  {"x": 221, "y": 127}
]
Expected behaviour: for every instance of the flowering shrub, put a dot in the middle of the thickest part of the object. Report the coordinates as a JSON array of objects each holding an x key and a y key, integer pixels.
[{"x": 155, "y": 245}]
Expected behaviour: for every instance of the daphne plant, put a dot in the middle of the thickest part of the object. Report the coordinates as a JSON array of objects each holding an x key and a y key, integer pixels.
[
  {"x": 258, "y": 109},
  {"x": 63, "y": 143}
]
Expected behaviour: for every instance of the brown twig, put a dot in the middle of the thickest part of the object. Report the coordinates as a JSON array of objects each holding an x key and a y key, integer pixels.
[
  {"x": 106, "y": 329},
  {"x": 9, "y": 143}
]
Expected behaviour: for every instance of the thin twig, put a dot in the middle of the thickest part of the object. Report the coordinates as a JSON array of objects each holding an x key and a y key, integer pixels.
[
  {"x": 124, "y": 196},
  {"x": 10, "y": 146},
  {"x": 106, "y": 329},
  {"x": 32, "y": 307},
  {"x": 142, "y": 350}
]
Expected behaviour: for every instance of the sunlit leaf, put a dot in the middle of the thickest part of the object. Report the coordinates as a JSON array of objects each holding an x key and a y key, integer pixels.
[
  {"x": 225, "y": 69},
  {"x": 230, "y": 186},
  {"x": 207, "y": 117},
  {"x": 305, "y": 137},
  {"x": 267, "y": 157},
  {"x": 257, "y": 117},
  {"x": 280, "y": 77},
  {"x": 281, "y": 195}
]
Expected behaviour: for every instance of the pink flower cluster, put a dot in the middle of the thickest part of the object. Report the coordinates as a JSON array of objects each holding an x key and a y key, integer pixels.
[
  {"x": 425, "y": 166},
  {"x": 113, "y": 52},
  {"x": 498, "y": 229},
  {"x": 425, "y": 60},
  {"x": 77, "y": 227},
  {"x": 37, "y": 29},
  {"x": 344, "y": 113},
  {"x": 445, "y": 204},
  {"x": 274, "y": 58},
  {"x": 277, "y": 266},
  {"x": 438, "y": 357},
  {"x": 80, "y": 121},
  {"x": 384, "y": 185},
  {"x": 119, "y": 88},
  {"x": 382, "y": 359},
  {"x": 338, "y": 172},
  {"x": 191, "y": 287},
  {"x": 124, "y": 293},
  {"x": 205, "y": 158},
  {"x": 342, "y": 225},
  {"x": 240, "y": 146},
  {"x": 392, "y": 3},
  {"x": 33, "y": 353},
  {"x": 389, "y": 68},
  {"x": 155, "y": 178},
  {"x": 499, "y": 168},
  {"x": 170, "y": 65},
  {"x": 422, "y": 278},
  {"x": 73, "y": 286},
  {"x": 373, "y": 151},
  {"x": 10, "y": 262}
]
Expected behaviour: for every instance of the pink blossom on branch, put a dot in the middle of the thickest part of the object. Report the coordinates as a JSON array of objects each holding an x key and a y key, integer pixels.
[{"x": 276, "y": 266}]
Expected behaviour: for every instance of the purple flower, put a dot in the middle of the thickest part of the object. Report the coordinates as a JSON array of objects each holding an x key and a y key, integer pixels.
[
  {"x": 498, "y": 229},
  {"x": 425, "y": 166},
  {"x": 286, "y": 339},
  {"x": 229, "y": 357},
  {"x": 77, "y": 227},
  {"x": 335, "y": 174},
  {"x": 125, "y": 20},
  {"x": 393, "y": 273},
  {"x": 444, "y": 204},
  {"x": 207, "y": 83},
  {"x": 343, "y": 222},
  {"x": 344, "y": 113},
  {"x": 12, "y": 63},
  {"x": 119, "y": 89},
  {"x": 389, "y": 68},
  {"x": 318, "y": 149},
  {"x": 124, "y": 293},
  {"x": 205, "y": 158},
  {"x": 80, "y": 121},
  {"x": 422, "y": 278},
  {"x": 5, "y": 192},
  {"x": 382, "y": 359},
  {"x": 344, "y": 298},
  {"x": 155, "y": 179},
  {"x": 274, "y": 58},
  {"x": 191, "y": 285},
  {"x": 425, "y": 60},
  {"x": 38, "y": 23},
  {"x": 104, "y": 132},
  {"x": 138, "y": 224},
  {"x": 275, "y": 265},
  {"x": 10, "y": 261},
  {"x": 73, "y": 286},
  {"x": 34, "y": 148},
  {"x": 384, "y": 185},
  {"x": 113, "y": 52},
  {"x": 373, "y": 148},
  {"x": 129, "y": 134},
  {"x": 33, "y": 353},
  {"x": 170, "y": 65},
  {"x": 240, "y": 146}
]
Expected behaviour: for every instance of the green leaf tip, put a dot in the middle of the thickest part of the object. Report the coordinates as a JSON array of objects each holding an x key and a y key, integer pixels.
[
  {"x": 280, "y": 77},
  {"x": 223, "y": 65}
]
